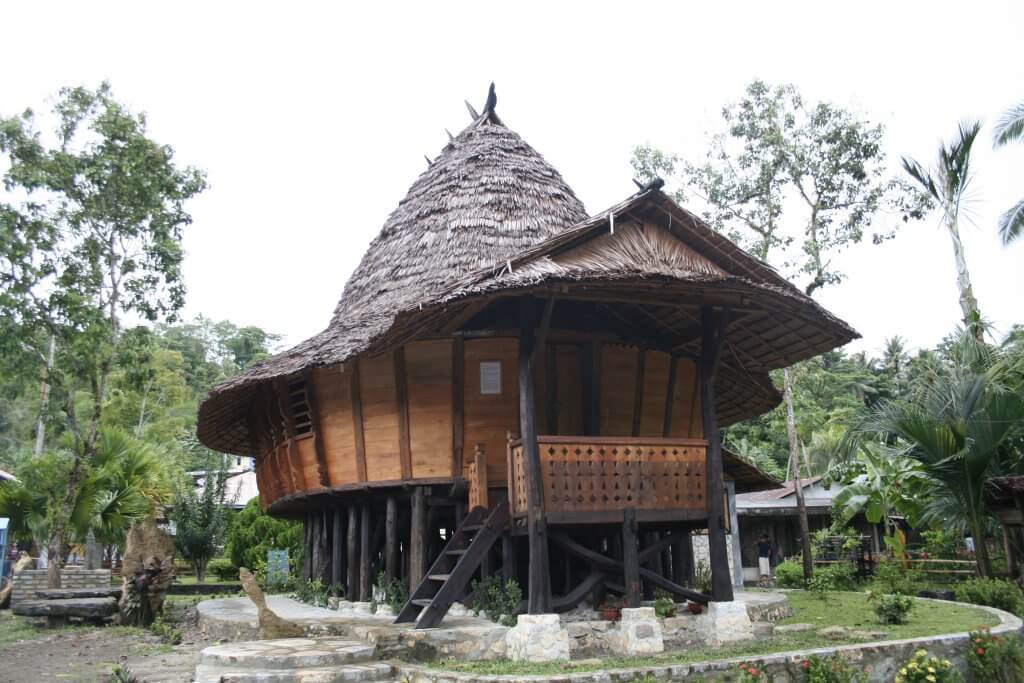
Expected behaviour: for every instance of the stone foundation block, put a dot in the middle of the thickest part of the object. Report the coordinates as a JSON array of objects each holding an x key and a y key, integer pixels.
[
  {"x": 538, "y": 638},
  {"x": 638, "y": 633},
  {"x": 729, "y": 622}
]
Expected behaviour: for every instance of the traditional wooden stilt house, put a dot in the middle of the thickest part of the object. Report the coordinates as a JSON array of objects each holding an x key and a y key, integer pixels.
[{"x": 510, "y": 384}]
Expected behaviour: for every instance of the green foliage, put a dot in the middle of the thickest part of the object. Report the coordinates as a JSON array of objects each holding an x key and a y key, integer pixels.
[
  {"x": 831, "y": 669},
  {"x": 881, "y": 484},
  {"x": 789, "y": 574},
  {"x": 313, "y": 592},
  {"x": 892, "y": 608},
  {"x": 939, "y": 544},
  {"x": 995, "y": 659},
  {"x": 892, "y": 577},
  {"x": 499, "y": 599},
  {"x": 393, "y": 590},
  {"x": 201, "y": 518},
  {"x": 664, "y": 606},
  {"x": 1004, "y": 595},
  {"x": 750, "y": 673},
  {"x": 702, "y": 577},
  {"x": 252, "y": 533},
  {"x": 167, "y": 632},
  {"x": 921, "y": 668},
  {"x": 223, "y": 568},
  {"x": 841, "y": 576},
  {"x": 122, "y": 674}
]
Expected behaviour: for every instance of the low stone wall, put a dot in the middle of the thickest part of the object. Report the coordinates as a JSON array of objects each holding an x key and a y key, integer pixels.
[
  {"x": 882, "y": 659},
  {"x": 28, "y": 581}
]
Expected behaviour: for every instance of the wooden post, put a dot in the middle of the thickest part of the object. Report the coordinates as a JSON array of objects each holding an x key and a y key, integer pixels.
[
  {"x": 417, "y": 538},
  {"x": 337, "y": 549},
  {"x": 478, "y": 487},
  {"x": 711, "y": 345},
  {"x": 391, "y": 538},
  {"x": 539, "y": 582},
  {"x": 307, "y": 545},
  {"x": 365, "y": 580},
  {"x": 508, "y": 558},
  {"x": 654, "y": 564},
  {"x": 630, "y": 558},
  {"x": 734, "y": 535},
  {"x": 352, "y": 548}
]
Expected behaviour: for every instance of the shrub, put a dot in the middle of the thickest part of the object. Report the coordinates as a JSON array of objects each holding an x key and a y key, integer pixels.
[
  {"x": 252, "y": 533},
  {"x": 167, "y": 632},
  {"x": 312, "y": 593},
  {"x": 893, "y": 608},
  {"x": 892, "y": 577},
  {"x": 664, "y": 607},
  {"x": 833, "y": 669},
  {"x": 842, "y": 575},
  {"x": 223, "y": 569},
  {"x": 499, "y": 599},
  {"x": 995, "y": 659},
  {"x": 997, "y": 593},
  {"x": 789, "y": 574},
  {"x": 391, "y": 591},
  {"x": 751, "y": 673},
  {"x": 940, "y": 544},
  {"x": 702, "y": 577},
  {"x": 924, "y": 669}
]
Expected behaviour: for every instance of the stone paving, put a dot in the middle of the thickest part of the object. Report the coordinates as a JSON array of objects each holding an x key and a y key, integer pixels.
[{"x": 291, "y": 660}]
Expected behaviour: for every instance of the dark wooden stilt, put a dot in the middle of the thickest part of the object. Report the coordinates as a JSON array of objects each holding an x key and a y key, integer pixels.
[
  {"x": 418, "y": 537},
  {"x": 653, "y": 563},
  {"x": 539, "y": 588},
  {"x": 352, "y": 548},
  {"x": 365, "y": 580},
  {"x": 338, "y": 549},
  {"x": 307, "y": 546},
  {"x": 713, "y": 339},
  {"x": 630, "y": 558},
  {"x": 391, "y": 538},
  {"x": 508, "y": 558}
]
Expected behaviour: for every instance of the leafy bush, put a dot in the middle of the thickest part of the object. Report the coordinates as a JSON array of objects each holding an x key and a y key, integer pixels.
[
  {"x": 167, "y": 632},
  {"x": 995, "y": 659},
  {"x": 924, "y": 669},
  {"x": 280, "y": 585},
  {"x": 841, "y": 576},
  {"x": 664, "y": 607},
  {"x": 223, "y": 569},
  {"x": 997, "y": 593},
  {"x": 789, "y": 574},
  {"x": 893, "y": 608},
  {"x": 702, "y": 577},
  {"x": 252, "y": 533},
  {"x": 833, "y": 669},
  {"x": 892, "y": 577},
  {"x": 312, "y": 593},
  {"x": 500, "y": 600},
  {"x": 391, "y": 591},
  {"x": 750, "y": 673},
  {"x": 939, "y": 544}
]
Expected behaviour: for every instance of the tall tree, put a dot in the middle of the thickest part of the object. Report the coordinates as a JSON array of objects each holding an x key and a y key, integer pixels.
[
  {"x": 794, "y": 183},
  {"x": 948, "y": 184},
  {"x": 1010, "y": 128},
  {"x": 92, "y": 230},
  {"x": 200, "y": 514}
]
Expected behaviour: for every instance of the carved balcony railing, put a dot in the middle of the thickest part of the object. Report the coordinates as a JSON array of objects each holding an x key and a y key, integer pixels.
[{"x": 591, "y": 476}]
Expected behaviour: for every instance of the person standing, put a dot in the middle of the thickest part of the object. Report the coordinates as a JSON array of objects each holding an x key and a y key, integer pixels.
[{"x": 764, "y": 557}]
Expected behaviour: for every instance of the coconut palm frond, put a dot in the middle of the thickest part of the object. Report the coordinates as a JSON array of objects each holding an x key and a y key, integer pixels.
[
  {"x": 1011, "y": 223},
  {"x": 923, "y": 177},
  {"x": 1010, "y": 126}
]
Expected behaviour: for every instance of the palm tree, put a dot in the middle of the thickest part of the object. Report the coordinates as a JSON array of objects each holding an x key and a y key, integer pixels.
[
  {"x": 948, "y": 186},
  {"x": 957, "y": 426},
  {"x": 1010, "y": 128}
]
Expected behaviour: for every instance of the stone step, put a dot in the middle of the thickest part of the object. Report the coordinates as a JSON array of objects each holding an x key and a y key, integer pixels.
[
  {"x": 288, "y": 653},
  {"x": 68, "y": 593},
  {"x": 86, "y": 608},
  {"x": 350, "y": 673}
]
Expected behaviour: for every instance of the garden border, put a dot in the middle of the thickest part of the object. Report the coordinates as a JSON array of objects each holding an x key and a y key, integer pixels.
[{"x": 883, "y": 658}]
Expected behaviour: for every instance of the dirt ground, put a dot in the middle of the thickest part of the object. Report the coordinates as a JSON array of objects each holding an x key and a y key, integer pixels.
[{"x": 88, "y": 654}]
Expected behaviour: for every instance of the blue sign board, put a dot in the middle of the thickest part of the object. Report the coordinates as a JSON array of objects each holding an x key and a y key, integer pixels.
[
  {"x": 3, "y": 547},
  {"x": 277, "y": 567}
]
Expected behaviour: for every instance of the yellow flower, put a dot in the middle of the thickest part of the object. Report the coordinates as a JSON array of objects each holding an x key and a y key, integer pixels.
[
  {"x": 946, "y": 662},
  {"x": 930, "y": 678},
  {"x": 921, "y": 653}
]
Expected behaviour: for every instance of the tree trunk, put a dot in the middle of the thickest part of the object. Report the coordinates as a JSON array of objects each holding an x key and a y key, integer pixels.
[
  {"x": 968, "y": 304},
  {"x": 980, "y": 547},
  {"x": 200, "y": 567},
  {"x": 794, "y": 462},
  {"x": 44, "y": 398}
]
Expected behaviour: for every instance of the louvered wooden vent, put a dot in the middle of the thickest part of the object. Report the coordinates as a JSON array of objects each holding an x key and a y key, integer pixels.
[{"x": 298, "y": 403}]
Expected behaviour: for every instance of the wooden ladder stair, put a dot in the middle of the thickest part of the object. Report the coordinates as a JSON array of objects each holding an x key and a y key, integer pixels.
[{"x": 447, "y": 579}]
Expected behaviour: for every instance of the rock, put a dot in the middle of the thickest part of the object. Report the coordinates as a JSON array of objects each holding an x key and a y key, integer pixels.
[
  {"x": 85, "y": 608},
  {"x": 385, "y": 611},
  {"x": 148, "y": 571},
  {"x": 870, "y": 635},
  {"x": 834, "y": 632},
  {"x": 271, "y": 626},
  {"x": 537, "y": 638},
  {"x": 361, "y": 608},
  {"x": 793, "y": 628},
  {"x": 728, "y": 622},
  {"x": 23, "y": 562},
  {"x": 638, "y": 633},
  {"x": 763, "y": 629},
  {"x": 68, "y": 593},
  {"x": 458, "y": 610}
]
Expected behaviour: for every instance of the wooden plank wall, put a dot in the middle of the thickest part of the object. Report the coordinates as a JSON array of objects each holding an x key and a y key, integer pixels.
[
  {"x": 570, "y": 389},
  {"x": 489, "y": 417},
  {"x": 618, "y": 389},
  {"x": 686, "y": 416},
  {"x": 380, "y": 418},
  {"x": 334, "y": 399},
  {"x": 655, "y": 392},
  {"x": 428, "y": 366}
]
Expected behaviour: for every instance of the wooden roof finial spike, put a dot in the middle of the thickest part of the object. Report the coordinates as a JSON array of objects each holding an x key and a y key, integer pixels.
[
  {"x": 429, "y": 162},
  {"x": 472, "y": 112},
  {"x": 492, "y": 100},
  {"x": 450, "y": 136}
]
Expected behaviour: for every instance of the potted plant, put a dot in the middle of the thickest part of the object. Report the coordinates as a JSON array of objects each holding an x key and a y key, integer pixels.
[
  {"x": 694, "y": 607},
  {"x": 611, "y": 610}
]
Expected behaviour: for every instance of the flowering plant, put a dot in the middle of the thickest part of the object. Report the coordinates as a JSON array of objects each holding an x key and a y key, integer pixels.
[
  {"x": 751, "y": 673},
  {"x": 833, "y": 669},
  {"x": 995, "y": 659},
  {"x": 924, "y": 669}
]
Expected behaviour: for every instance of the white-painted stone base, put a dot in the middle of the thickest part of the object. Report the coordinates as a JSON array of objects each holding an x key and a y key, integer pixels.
[
  {"x": 538, "y": 638},
  {"x": 638, "y": 633},
  {"x": 729, "y": 622}
]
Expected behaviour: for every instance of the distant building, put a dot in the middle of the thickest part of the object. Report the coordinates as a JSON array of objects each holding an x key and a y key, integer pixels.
[{"x": 241, "y": 485}]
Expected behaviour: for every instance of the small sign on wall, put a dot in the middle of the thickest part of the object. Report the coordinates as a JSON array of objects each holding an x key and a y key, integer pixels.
[{"x": 490, "y": 377}]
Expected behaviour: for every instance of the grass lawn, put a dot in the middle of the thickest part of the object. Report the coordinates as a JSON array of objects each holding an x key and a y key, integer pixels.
[{"x": 839, "y": 609}]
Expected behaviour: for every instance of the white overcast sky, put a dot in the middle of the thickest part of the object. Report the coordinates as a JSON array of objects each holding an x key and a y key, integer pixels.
[{"x": 312, "y": 120}]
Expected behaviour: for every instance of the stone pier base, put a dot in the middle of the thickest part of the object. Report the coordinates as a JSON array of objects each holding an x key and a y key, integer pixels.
[
  {"x": 538, "y": 638},
  {"x": 638, "y": 633},
  {"x": 729, "y": 622}
]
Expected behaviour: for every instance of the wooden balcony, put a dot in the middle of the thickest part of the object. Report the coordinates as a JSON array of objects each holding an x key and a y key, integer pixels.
[{"x": 593, "y": 479}]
